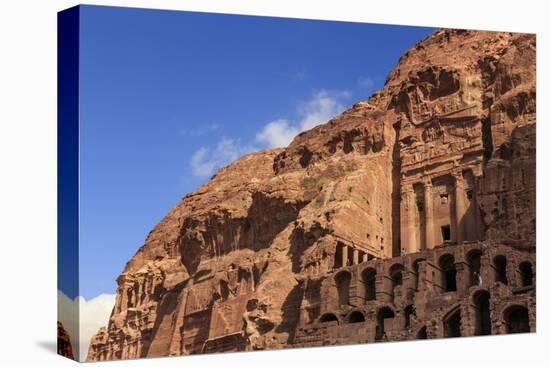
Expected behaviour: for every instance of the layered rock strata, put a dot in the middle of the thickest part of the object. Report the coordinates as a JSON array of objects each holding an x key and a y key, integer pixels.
[{"x": 430, "y": 176}]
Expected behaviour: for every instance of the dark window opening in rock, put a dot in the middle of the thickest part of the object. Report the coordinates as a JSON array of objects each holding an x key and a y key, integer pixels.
[
  {"x": 369, "y": 281},
  {"x": 243, "y": 277},
  {"x": 474, "y": 262},
  {"x": 247, "y": 225},
  {"x": 452, "y": 325},
  {"x": 469, "y": 194},
  {"x": 397, "y": 279},
  {"x": 370, "y": 257},
  {"x": 526, "y": 271},
  {"x": 306, "y": 156},
  {"x": 343, "y": 280},
  {"x": 500, "y": 264},
  {"x": 444, "y": 198},
  {"x": 256, "y": 275},
  {"x": 396, "y": 275},
  {"x": 517, "y": 320},
  {"x": 448, "y": 273},
  {"x": 384, "y": 322},
  {"x": 482, "y": 313},
  {"x": 422, "y": 333},
  {"x": 446, "y": 233},
  {"x": 328, "y": 317},
  {"x": 407, "y": 140},
  {"x": 486, "y": 138},
  {"x": 224, "y": 289},
  {"x": 338, "y": 256},
  {"x": 355, "y": 317},
  {"x": 129, "y": 298}
]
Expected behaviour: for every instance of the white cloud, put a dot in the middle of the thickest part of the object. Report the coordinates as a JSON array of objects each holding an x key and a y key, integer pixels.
[
  {"x": 279, "y": 133},
  {"x": 205, "y": 160},
  {"x": 92, "y": 314},
  {"x": 321, "y": 107}
]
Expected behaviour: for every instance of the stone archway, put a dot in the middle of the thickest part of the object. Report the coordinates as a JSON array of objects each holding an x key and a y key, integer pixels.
[
  {"x": 409, "y": 311},
  {"x": 500, "y": 263},
  {"x": 396, "y": 275},
  {"x": 422, "y": 333},
  {"x": 355, "y": 317},
  {"x": 474, "y": 263},
  {"x": 517, "y": 319},
  {"x": 369, "y": 284},
  {"x": 384, "y": 320},
  {"x": 448, "y": 273},
  {"x": 482, "y": 313},
  {"x": 451, "y": 324},
  {"x": 526, "y": 272},
  {"x": 343, "y": 280},
  {"x": 328, "y": 317}
]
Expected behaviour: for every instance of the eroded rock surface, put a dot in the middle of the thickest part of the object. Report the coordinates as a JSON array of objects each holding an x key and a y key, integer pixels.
[
  {"x": 442, "y": 156},
  {"x": 64, "y": 347}
]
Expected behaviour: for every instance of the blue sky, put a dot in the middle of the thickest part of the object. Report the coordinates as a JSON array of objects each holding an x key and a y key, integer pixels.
[{"x": 167, "y": 97}]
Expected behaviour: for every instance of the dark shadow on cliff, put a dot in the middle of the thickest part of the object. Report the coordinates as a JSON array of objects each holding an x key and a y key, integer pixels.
[
  {"x": 291, "y": 312},
  {"x": 166, "y": 307},
  {"x": 507, "y": 208},
  {"x": 300, "y": 240},
  {"x": 265, "y": 219}
]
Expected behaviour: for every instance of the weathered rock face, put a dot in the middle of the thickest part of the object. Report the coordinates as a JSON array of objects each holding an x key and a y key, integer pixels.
[
  {"x": 442, "y": 156},
  {"x": 64, "y": 347}
]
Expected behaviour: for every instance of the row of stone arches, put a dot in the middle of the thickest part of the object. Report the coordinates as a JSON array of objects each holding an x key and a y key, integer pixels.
[
  {"x": 382, "y": 316},
  {"x": 500, "y": 269},
  {"x": 385, "y": 317},
  {"x": 448, "y": 269},
  {"x": 343, "y": 281},
  {"x": 515, "y": 319},
  {"x": 368, "y": 282},
  {"x": 367, "y": 286}
]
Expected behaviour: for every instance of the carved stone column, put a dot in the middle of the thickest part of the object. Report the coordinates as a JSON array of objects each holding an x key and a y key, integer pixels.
[
  {"x": 355, "y": 256},
  {"x": 124, "y": 299},
  {"x": 462, "y": 278},
  {"x": 429, "y": 214},
  {"x": 459, "y": 207},
  {"x": 345, "y": 255},
  {"x": 408, "y": 223}
]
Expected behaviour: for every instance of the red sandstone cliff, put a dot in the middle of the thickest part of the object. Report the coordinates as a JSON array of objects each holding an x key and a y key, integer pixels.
[
  {"x": 443, "y": 153},
  {"x": 64, "y": 347}
]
